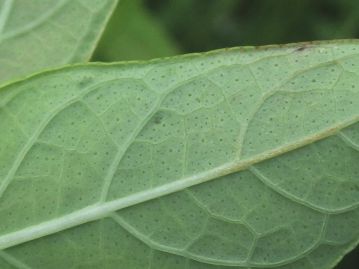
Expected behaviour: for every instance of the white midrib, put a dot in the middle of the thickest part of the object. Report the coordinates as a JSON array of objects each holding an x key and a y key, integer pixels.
[{"x": 103, "y": 209}]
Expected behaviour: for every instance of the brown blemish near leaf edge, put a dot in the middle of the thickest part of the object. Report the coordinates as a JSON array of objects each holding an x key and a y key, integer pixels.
[{"x": 303, "y": 47}]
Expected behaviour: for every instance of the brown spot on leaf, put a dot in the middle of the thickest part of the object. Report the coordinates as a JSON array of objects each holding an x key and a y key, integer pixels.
[{"x": 302, "y": 47}]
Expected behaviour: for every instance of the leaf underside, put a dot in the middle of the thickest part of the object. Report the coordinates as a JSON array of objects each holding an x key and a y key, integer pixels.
[
  {"x": 240, "y": 158},
  {"x": 40, "y": 34}
]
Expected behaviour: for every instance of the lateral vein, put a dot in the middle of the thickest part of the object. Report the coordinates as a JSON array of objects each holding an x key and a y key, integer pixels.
[{"x": 104, "y": 209}]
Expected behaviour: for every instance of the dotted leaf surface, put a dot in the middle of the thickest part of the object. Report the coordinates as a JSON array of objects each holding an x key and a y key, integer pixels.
[
  {"x": 38, "y": 34},
  {"x": 240, "y": 158}
]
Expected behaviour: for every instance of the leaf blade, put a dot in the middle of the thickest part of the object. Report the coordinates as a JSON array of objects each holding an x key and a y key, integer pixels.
[{"x": 155, "y": 122}]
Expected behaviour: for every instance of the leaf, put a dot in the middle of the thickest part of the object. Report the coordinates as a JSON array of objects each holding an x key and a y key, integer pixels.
[
  {"x": 40, "y": 34},
  {"x": 133, "y": 34},
  {"x": 239, "y": 158}
]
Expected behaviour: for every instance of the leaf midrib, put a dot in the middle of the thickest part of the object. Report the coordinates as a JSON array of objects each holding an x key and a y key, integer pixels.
[{"x": 103, "y": 209}]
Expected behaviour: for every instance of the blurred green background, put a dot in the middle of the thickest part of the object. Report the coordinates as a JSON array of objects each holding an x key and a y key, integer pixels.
[{"x": 146, "y": 29}]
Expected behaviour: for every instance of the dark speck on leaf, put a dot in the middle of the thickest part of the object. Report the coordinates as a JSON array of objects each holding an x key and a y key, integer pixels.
[
  {"x": 85, "y": 82},
  {"x": 302, "y": 48},
  {"x": 158, "y": 119}
]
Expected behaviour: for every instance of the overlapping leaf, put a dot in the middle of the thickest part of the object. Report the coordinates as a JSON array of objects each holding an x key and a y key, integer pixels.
[{"x": 39, "y": 34}]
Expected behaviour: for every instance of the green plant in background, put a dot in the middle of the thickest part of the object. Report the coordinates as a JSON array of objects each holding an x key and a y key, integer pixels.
[
  {"x": 255, "y": 22},
  {"x": 236, "y": 158},
  {"x": 142, "y": 37}
]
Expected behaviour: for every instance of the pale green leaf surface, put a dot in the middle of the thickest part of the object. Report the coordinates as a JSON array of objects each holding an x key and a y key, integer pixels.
[
  {"x": 38, "y": 34},
  {"x": 241, "y": 158}
]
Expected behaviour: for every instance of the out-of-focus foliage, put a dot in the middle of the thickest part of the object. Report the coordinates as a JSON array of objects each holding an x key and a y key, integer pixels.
[
  {"x": 208, "y": 24},
  {"x": 144, "y": 29},
  {"x": 133, "y": 34}
]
